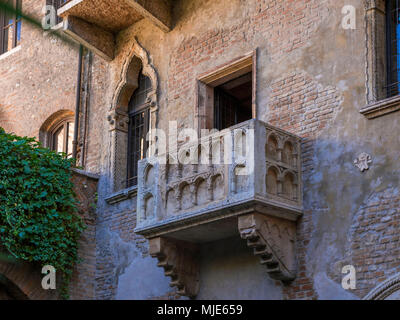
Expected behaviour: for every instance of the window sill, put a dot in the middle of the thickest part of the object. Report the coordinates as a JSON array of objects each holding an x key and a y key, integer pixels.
[
  {"x": 56, "y": 28},
  {"x": 8, "y": 53},
  {"x": 122, "y": 195},
  {"x": 381, "y": 108}
]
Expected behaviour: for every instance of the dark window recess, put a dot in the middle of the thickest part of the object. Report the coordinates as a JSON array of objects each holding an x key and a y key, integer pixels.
[
  {"x": 10, "y": 26},
  {"x": 57, "y": 4},
  {"x": 62, "y": 138},
  {"x": 139, "y": 114},
  {"x": 393, "y": 47},
  {"x": 233, "y": 102}
]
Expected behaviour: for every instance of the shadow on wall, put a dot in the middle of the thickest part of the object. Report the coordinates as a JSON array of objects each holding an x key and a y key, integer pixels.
[
  {"x": 22, "y": 281},
  {"x": 229, "y": 270},
  {"x": 9, "y": 291},
  {"x": 143, "y": 280},
  {"x": 348, "y": 205}
]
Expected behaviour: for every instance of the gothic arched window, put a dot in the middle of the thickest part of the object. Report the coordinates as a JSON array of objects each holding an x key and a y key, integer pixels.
[{"x": 139, "y": 114}]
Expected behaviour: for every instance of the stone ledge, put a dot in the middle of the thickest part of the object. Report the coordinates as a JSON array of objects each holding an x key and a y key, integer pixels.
[
  {"x": 10, "y": 52},
  {"x": 122, "y": 195},
  {"x": 381, "y": 108},
  {"x": 86, "y": 174},
  {"x": 175, "y": 225}
]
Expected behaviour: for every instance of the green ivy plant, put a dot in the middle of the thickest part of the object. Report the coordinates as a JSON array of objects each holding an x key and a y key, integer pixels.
[{"x": 38, "y": 214}]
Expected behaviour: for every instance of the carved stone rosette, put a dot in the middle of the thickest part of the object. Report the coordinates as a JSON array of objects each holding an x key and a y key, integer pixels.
[
  {"x": 180, "y": 261},
  {"x": 272, "y": 240}
]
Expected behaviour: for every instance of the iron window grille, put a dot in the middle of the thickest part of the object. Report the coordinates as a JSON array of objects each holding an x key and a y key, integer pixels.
[
  {"x": 139, "y": 119},
  {"x": 57, "y": 4}
]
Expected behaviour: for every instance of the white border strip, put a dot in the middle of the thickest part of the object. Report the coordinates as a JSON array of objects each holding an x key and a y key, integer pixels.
[{"x": 10, "y": 52}]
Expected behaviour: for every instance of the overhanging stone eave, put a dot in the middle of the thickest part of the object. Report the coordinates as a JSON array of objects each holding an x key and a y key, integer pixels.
[
  {"x": 128, "y": 13},
  {"x": 217, "y": 213},
  {"x": 91, "y": 36}
]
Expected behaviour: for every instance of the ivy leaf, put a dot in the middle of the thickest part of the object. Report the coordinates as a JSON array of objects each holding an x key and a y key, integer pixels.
[{"x": 38, "y": 215}]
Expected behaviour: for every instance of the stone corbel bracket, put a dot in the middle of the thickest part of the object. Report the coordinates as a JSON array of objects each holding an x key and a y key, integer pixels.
[
  {"x": 180, "y": 261},
  {"x": 272, "y": 240}
]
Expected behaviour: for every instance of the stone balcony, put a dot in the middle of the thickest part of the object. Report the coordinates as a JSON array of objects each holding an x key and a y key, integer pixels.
[
  {"x": 244, "y": 180},
  {"x": 94, "y": 23}
]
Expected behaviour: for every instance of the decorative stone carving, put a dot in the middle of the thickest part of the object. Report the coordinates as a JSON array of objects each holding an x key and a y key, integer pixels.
[
  {"x": 180, "y": 261},
  {"x": 118, "y": 121},
  {"x": 207, "y": 201},
  {"x": 378, "y": 103},
  {"x": 375, "y": 50},
  {"x": 136, "y": 60},
  {"x": 94, "y": 24},
  {"x": 129, "y": 74},
  {"x": 375, "y": 66},
  {"x": 272, "y": 240},
  {"x": 363, "y": 161},
  {"x": 240, "y": 180},
  {"x": 386, "y": 290}
]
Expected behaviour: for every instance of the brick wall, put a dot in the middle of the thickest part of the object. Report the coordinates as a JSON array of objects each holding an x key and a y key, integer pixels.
[
  {"x": 84, "y": 276},
  {"x": 37, "y": 80},
  {"x": 373, "y": 248},
  {"x": 297, "y": 102}
]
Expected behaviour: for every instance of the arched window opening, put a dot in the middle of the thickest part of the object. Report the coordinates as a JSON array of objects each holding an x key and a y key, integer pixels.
[
  {"x": 61, "y": 138},
  {"x": 57, "y": 132},
  {"x": 139, "y": 120}
]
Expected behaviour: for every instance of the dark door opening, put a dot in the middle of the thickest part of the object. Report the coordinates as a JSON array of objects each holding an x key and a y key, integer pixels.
[{"x": 233, "y": 102}]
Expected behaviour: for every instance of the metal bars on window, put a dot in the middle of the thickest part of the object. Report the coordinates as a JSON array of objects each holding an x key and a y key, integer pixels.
[
  {"x": 57, "y": 4},
  {"x": 139, "y": 120}
]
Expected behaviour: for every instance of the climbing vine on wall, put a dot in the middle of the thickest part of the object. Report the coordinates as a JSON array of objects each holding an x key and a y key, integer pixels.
[{"x": 38, "y": 215}]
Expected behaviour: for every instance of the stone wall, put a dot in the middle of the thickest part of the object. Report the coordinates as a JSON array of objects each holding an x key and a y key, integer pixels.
[
  {"x": 38, "y": 79},
  {"x": 83, "y": 281}
]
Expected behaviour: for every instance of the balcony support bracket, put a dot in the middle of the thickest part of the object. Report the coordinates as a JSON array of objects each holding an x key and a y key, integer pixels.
[
  {"x": 180, "y": 261},
  {"x": 91, "y": 36},
  {"x": 272, "y": 240}
]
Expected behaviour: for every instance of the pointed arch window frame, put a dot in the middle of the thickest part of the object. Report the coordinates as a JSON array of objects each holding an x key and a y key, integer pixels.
[{"x": 137, "y": 59}]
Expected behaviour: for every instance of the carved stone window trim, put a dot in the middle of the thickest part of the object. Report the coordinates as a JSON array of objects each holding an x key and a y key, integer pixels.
[
  {"x": 385, "y": 289},
  {"x": 137, "y": 60},
  {"x": 381, "y": 108},
  {"x": 207, "y": 81},
  {"x": 122, "y": 195},
  {"x": 376, "y": 73}
]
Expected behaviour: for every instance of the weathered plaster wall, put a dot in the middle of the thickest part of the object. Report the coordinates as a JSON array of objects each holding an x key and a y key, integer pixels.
[
  {"x": 229, "y": 270},
  {"x": 310, "y": 81}
]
